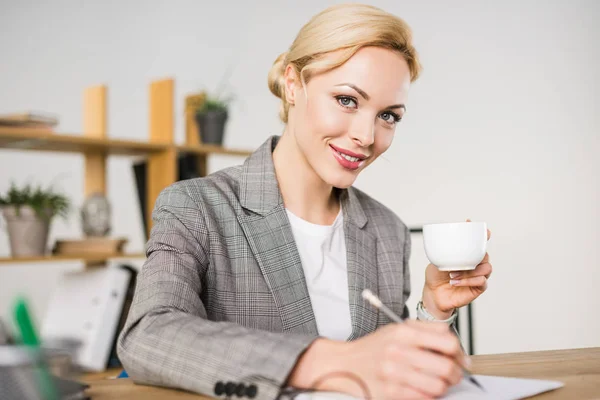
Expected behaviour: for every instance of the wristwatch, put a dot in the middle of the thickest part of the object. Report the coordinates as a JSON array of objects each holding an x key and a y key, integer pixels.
[{"x": 423, "y": 315}]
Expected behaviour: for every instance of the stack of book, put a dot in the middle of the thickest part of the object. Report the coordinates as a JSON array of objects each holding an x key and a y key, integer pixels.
[
  {"x": 92, "y": 246},
  {"x": 29, "y": 120}
]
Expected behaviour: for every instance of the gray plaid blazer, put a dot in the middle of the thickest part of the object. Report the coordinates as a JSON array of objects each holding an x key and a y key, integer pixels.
[{"x": 222, "y": 295}]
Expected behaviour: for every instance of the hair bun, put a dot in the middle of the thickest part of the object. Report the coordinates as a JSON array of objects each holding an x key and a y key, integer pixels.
[
  {"x": 276, "y": 76},
  {"x": 276, "y": 82}
]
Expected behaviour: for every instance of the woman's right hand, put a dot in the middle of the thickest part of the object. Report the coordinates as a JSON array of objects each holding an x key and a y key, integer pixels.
[{"x": 412, "y": 360}]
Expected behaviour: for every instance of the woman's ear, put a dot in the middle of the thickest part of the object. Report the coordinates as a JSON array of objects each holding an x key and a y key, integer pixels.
[{"x": 290, "y": 79}]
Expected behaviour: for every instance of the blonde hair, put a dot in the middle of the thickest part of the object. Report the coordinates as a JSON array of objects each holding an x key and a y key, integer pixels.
[{"x": 347, "y": 28}]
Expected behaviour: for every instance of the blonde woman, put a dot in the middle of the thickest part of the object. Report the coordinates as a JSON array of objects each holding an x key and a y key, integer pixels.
[{"x": 254, "y": 273}]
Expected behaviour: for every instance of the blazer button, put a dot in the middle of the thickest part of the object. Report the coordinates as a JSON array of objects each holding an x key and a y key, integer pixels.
[
  {"x": 230, "y": 388},
  {"x": 219, "y": 388},
  {"x": 240, "y": 390},
  {"x": 251, "y": 391}
]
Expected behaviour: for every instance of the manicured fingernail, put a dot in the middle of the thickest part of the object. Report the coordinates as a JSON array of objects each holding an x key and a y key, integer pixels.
[
  {"x": 454, "y": 282},
  {"x": 468, "y": 362},
  {"x": 454, "y": 275}
]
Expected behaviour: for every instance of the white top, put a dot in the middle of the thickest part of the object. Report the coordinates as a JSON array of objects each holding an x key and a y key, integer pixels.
[{"x": 322, "y": 250}]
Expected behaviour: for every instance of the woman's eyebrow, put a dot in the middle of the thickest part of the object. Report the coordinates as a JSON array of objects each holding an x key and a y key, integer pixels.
[
  {"x": 367, "y": 97},
  {"x": 359, "y": 90},
  {"x": 397, "y": 106}
]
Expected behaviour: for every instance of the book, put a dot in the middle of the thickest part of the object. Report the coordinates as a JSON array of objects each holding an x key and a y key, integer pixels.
[
  {"x": 90, "y": 246},
  {"x": 29, "y": 119},
  {"x": 188, "y": 169}
]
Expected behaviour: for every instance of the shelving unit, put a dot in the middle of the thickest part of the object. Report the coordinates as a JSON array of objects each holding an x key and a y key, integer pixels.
[{"x": 160, "y": 150}]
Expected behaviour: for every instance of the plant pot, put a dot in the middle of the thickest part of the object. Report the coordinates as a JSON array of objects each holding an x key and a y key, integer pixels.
[
  {"x": 211, "y": 126},
  {"x": 27, "y": 232}
]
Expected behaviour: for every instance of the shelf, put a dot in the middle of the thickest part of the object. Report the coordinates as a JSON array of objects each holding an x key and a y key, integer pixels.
[
  {"x": 211, "y": 149},
  {"x": 68, "y": 258},
  {"x": 33, "y": 139}
]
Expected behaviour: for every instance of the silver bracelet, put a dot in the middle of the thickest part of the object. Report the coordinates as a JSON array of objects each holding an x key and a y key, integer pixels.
[{"x": 423, "y": 315}]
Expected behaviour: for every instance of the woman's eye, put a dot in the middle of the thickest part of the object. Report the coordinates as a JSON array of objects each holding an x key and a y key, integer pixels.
[
  {"x": 390, "y": 117},
  {"x": 346, "y": 101}
]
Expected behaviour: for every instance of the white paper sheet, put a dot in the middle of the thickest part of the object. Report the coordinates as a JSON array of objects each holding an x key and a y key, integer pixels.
[
  {"x": 501, "y": 388},
  {"x": 496, "y": 387}
]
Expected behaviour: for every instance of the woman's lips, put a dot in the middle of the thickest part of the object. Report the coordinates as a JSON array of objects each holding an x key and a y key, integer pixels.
[
  {"x": 352, "y": 164},
  {"x": 349, "y": 153}
]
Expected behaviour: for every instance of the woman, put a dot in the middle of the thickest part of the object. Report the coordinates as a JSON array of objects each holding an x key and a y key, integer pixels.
[{"x": 254, "y": 274}]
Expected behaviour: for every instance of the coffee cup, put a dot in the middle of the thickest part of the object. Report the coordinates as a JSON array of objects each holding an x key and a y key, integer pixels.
[{"x": 457, "y": 246}]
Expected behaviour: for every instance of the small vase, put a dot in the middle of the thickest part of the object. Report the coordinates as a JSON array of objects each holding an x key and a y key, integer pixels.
[
  {"x": 27, "y": 232},
  {"x": 211, "y": 126}
]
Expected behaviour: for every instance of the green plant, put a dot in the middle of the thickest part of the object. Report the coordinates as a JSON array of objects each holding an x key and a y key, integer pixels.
[
  {"x": 215, "y": 100},
  {"x": 214, "y": 103},
  {"x": 46, "y": 203}
]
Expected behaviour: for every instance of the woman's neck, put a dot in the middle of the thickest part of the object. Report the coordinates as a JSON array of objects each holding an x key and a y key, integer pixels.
[{"x": 304, "y": 193}]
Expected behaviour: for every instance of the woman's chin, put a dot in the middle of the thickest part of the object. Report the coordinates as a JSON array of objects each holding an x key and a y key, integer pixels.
[{"x": 341, "y": 181}]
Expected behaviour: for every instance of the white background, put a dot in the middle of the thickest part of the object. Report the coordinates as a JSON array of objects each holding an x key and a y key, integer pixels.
[{"x": 502, "y": 127}]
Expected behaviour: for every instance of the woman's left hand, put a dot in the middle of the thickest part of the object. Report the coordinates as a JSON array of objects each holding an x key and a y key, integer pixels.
[{"x": 443, "y": 291}]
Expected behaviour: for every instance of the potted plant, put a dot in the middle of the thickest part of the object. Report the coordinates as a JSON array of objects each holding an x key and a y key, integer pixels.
[
  {"x": 28, "y": 212},
  {"x": 211, "y": 116}
]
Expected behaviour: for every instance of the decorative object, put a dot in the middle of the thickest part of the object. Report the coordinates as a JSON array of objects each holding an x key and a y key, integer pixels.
[
  {"x": 95, "y": 216},
  {"x": 28, "y": 212},
  {"x": 211, "y": 117}
]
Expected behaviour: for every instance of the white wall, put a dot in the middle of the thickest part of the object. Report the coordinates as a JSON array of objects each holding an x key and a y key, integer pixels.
[{"x": 501, "y": 127}]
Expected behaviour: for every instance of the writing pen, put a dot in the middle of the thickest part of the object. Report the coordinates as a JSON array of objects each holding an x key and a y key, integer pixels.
[
  {"x": 29, "y": 337},
  {"x": 377, "y": 303}
]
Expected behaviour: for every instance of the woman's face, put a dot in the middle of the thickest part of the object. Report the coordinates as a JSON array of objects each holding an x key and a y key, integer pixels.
[{"x": 348, "y": 116}]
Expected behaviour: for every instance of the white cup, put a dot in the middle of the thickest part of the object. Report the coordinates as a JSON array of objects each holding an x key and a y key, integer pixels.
[{"x": 458, "y": 246}]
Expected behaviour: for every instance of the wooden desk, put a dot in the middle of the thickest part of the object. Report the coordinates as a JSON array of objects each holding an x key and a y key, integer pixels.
[
  {"x": 125, "y": 389},
  {"x": 579, "y": 369}
]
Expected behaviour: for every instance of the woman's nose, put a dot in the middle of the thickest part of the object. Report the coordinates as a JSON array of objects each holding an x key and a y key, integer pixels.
[{"x": 363, "y": 135}]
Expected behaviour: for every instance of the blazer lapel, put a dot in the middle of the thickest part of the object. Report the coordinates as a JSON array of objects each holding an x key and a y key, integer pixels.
[
  {"x": 270, "y": 236},
  {"x": 361, "y": 255}
]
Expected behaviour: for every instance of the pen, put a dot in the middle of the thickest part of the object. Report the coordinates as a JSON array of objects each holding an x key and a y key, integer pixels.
[
  {"x": 29, "y": 338},
  {"x": 376, "y": 302}
]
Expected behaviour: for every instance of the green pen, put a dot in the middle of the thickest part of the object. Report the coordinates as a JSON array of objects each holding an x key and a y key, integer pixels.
[{"x": 29, "y": 338}]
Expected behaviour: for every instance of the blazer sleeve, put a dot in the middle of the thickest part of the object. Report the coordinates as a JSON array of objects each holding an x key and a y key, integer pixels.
[{"x": 167, "y": 339}]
